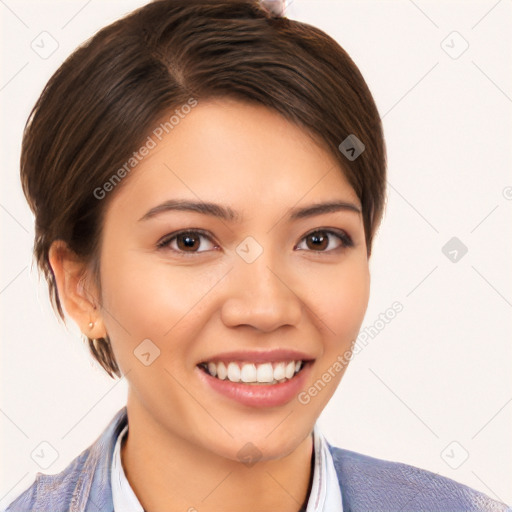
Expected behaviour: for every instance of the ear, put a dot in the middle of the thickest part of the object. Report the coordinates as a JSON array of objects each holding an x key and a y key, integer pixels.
[{"x": 76, "y": 288}]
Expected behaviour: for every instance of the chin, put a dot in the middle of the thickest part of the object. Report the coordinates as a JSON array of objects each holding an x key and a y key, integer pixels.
[{"x": 264, "y": 445}]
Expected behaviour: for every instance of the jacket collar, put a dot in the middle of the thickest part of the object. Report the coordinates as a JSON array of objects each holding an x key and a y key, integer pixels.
[{"x": 93, "y": 490}]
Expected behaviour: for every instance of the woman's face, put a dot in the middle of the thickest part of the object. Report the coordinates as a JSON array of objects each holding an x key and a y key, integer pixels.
[{"x": 250, "y": 276}]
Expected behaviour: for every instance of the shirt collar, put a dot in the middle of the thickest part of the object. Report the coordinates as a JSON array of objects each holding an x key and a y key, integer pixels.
[{"x": 325, "y": 495}]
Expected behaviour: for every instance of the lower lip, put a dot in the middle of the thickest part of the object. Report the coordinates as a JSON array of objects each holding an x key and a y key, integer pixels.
[{"x": 255, "y": 395}]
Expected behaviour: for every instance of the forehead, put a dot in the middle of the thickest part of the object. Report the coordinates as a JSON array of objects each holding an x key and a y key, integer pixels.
[{"x": 240, "y": 154}]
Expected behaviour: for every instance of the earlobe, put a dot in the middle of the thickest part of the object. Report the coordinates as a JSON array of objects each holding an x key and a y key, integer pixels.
[{"x": 76, "y": 292}]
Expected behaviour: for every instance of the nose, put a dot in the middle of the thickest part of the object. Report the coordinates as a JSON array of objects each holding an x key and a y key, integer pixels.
[{"x": 261, "y": 297}]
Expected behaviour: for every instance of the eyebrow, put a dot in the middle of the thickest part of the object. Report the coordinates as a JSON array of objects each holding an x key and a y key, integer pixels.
[{"x": 228, "y": 214}]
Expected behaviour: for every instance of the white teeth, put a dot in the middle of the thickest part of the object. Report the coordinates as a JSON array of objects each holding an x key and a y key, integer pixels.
[
  {"x": 212, "y": 369},
  {"x": 248, "y": 373},
  {"x": 233, "y": 372},
  {"x": 264, "y": 373},
  {"x": 279, "y": 371},
  {"x": 290, "y": 370},
  {"x": 222, "y": 373}
]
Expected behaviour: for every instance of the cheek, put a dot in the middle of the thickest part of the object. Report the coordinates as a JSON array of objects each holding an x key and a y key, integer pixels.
[
  {"x": 340, "y": 305},
  {"x": 145, "y": 298},
  {"x": 344, "y": 303}
]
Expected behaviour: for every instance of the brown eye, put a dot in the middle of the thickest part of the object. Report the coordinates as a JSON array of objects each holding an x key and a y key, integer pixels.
[
  {"x": 317, "y": 241},
  {"x": 188, "y": 242},
  {"x": 324, "y": 240},
  {"x": 191, "y": 241}
]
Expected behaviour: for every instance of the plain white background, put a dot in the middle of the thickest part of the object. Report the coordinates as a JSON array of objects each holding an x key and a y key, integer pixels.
[{"x": 432, "y": 388}]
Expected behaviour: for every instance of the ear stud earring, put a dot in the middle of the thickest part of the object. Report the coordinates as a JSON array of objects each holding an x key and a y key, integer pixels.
[{"x": 91, "y": 325}]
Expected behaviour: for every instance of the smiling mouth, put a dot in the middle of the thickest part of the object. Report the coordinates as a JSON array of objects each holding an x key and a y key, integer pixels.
[{"x": 269, "y": 373}]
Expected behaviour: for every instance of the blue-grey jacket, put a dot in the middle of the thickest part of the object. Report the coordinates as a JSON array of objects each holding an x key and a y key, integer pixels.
[{"x": 367, "y": 484}]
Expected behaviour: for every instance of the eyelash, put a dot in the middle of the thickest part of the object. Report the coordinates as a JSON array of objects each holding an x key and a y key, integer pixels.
[{"x": 344, "y": 238}]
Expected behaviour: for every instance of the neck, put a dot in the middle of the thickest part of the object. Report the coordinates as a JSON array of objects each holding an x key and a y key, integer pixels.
[{"x": 167, "y": 472}]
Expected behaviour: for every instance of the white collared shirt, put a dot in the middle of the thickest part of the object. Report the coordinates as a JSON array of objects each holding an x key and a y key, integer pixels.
[{"x": 325, "y": 493}]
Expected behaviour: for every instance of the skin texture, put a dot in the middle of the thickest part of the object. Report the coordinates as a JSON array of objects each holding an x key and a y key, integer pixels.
[{"x": 184, "y": 437}]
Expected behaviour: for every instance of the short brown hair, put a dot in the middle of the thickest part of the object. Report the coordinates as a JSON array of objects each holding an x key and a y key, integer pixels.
[{"x": 101, "y": 103}]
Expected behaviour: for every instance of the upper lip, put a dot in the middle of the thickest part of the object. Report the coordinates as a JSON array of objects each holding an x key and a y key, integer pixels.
[{"x": 263, "y": 356}]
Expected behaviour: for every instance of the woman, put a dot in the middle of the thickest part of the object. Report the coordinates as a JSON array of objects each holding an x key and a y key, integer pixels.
[{"x": 207, "y": 178}]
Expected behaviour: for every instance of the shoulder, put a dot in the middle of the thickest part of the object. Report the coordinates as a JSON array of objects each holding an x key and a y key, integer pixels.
[
  {"x": 52, "y": 492},
  {"x": 83, "y": 486},
  {"x": 368, "y": 483}
]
